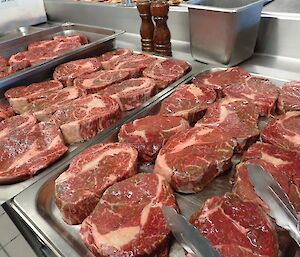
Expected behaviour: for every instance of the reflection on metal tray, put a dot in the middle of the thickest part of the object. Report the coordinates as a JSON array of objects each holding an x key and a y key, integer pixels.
[
  {"x": 36, "y": 204},
  {"x": 101, "y": 40},
  {"x": 9, "y": 191}
]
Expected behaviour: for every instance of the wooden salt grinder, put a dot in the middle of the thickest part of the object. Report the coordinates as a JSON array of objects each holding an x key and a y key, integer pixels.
[
  {"x": 147, "y": 26},
  {"x": 162, "y": 36}
]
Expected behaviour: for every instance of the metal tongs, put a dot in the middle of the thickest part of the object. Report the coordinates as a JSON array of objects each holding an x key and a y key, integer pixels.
[
  {"x": 187, "y": 235},
  {"x": 281, "y": 209}
]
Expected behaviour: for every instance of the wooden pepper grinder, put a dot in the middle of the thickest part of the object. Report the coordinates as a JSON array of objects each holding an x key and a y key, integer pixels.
[
  {"x": 162, "y": 36},
  {"x": 147, "y": 26}
]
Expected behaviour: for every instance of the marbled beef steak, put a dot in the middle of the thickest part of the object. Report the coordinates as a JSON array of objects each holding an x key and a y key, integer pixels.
[
  {"x": 21, "y": 97},
  {"x": 79, "y": 189},
  {"x": 18, "y": 122},
  {"x": 188, "y": 101},
  {"x": 26, "y": 151},
  {"x": 135, "y": 64},
  {"x": 86, "y": 116},
  {"x": 131, "y": 93},
  {"x": 67, "y": 72},
  {"x": 284, "y": 131},
  {"x": 128, "y": 220},
  {"x": 166, "y": 71},
  {"x": 234, "y": 119},
  {"x": 110, "y": 59},
  {"x": 149, "y": 134},
  {"x": 6, "y": 111},
  {"x": 191, "y": 159},
  {"x": 97, "y": 81},
  {"x": 289, "y": 97},
  {"x": 219, "y": 80},
  {"x": 284, "y": 166},
  {"x": 262, "y": 92},
  {"x": 236, "y": 228},
  {"x": 50, "y": 102}
]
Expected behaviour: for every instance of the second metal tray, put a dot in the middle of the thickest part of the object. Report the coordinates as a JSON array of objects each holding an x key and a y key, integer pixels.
[
  {"x": 100, "y": 40},
  {"x": 36, "y": 204}
]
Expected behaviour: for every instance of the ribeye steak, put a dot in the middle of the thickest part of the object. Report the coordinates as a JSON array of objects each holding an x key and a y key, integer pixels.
[
  {"x": 262, "y": 92},
  {"x": 6, "y": 111},
  {"x": 149, "y": 134},
  {"x": 236, "y": 228},
  {"x": 289, "y": 97},
  {"x": 9, "y": 125},
  {"x": 79, "y": 189},
  {"x": 188, "y": 101},
  {"x": 67, "y": 72},
  {"x": 85, "y": 117},
  {"x": 95, "y": 82},
  {"x": 21, "y": 97},
  {"x": 235, "y": 119},
  {"x": 110, "y": 59},
  {"x": 284, "y": 131},
  {"x": 166, "y": 71},
  {"x": 44, "y": 107},
  {"x": 131, "y": 93},
  {"x": 219, "y": 80},
  {"x": 193, "y": 158},
  {"x": 128, "y": 220},
  {"x": 135, "y": 64},
  {"x": 282, "y": 164},
  {"x": 4, "y": 67},
  {"x": 27, "y": 151}
]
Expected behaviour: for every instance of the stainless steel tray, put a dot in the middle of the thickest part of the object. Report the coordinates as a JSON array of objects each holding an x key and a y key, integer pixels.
[
  {"x": 9, "y": 191},
  {"x": 36, "y": 204},
  {"x": 101, "y": 40}
]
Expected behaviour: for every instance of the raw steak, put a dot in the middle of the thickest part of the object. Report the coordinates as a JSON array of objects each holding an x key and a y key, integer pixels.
[
  {"x": 20, "y": 98},
  {"x": 135, "y": 64},
  {"x": 193, "y": 158},
  {"x": 284, "y": 131},
  {"x": 67, "y": 72},
  {"x": 131, "y": 93},
  {"x": 128, "y": 220},
  {"x": 188, "y": 101},
  {"x": 4, "y": 67},
  {"x": 235, "y": 119},
  {"x": 82, "y": 39},
  {"x": 166, "y": 71},
  {"x": 63, "y": 47},
  {"x": 19, "y": 122},
  {"x": 282, "y": 164},
  {"x": 289, "y": 97},
  {"x": 95, "y": 82},
  {"x": 51, "y": 101},
  {"x": 21, "y": 60},
  {"x": 149, "y": 134},
  {"x": 85, "y": 117},
  {"x": 25, "y": 152},
  {"x": 79, "y": 189},
  {"x": 50, "y": 45},
  {"x": 219, "y": 80},
  {"x": 6, "y": 111},
  {"x": 110, "y": 59},
  {"x": 236, "y": 228},
  {"x": 262, "y": 92}
]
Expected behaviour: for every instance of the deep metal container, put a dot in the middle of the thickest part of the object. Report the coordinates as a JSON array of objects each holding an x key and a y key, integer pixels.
[{"x": 223, "y": 32}]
